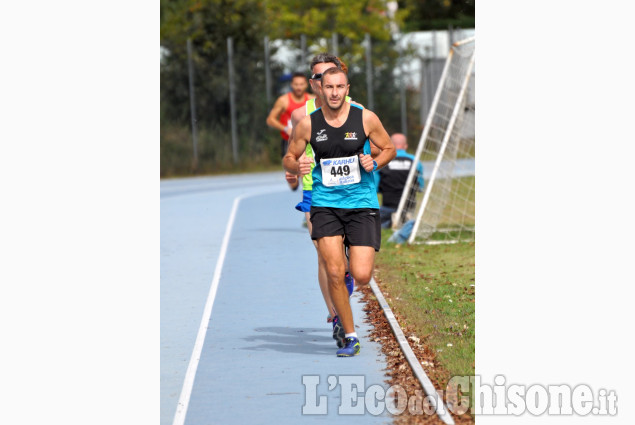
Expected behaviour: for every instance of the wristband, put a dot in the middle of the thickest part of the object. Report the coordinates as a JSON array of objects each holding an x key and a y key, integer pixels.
[{"x": 374, "y": 165}]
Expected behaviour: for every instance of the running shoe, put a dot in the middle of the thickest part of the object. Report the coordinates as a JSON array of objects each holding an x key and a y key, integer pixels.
[
  {"x": 350, "y": 283},
  {"x": 329, "y": 319},
  {"x": 338, "y": 332},
  {"x": 351, "y": 347}
]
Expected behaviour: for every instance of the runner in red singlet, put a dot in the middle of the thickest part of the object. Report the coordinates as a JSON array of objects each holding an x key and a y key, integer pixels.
[{"x": 280, "y": 114}]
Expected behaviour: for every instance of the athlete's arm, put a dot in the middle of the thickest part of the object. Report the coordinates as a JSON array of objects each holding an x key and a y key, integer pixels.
[
  {"x": 374, "y": 150},
  {"x": 378, "y": 137},
  {"x": 297, "y": 115},
  {"x": 277, "y": 110},
  {"x": 294, "y": 162}
]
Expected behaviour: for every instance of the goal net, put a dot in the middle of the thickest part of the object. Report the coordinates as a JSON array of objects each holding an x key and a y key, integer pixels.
[{"x": 444, "y": 210}]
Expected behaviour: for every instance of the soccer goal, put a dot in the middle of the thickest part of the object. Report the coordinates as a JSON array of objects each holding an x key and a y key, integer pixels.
[{"x": 445, "y": 209}]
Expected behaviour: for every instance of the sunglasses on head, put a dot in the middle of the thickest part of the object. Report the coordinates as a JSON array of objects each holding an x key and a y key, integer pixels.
[{"x": 317, "y": 76}]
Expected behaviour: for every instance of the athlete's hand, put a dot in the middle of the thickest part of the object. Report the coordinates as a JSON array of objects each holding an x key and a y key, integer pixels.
[
  {"x": 367, "y": 162},
  {"x": 305, "y": 164},
  {"x": 292, "y": 179}
]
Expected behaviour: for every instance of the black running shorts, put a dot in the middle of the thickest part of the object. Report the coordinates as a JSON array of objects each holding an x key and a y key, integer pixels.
[{"x": 359, "y": 226}]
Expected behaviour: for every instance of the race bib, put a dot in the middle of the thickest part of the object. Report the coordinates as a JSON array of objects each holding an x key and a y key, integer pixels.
[{"x": 340, "y": 171}]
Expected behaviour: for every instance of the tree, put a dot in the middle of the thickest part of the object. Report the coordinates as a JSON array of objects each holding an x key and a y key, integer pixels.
[
  {"x": 208, "y": 23},
  {"x": 320, "y": 18},
  {"x": 438, "y": 14}
]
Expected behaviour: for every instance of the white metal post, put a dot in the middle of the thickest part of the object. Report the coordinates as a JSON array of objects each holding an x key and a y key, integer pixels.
[
  {"x": 446, "y": 138},
  {"x": 402, "y": 93},
  {"x": 369, "y": 73},
  {"x": 267, "y": 72},
  {"x": 334, "y": 43},
  {"x": 232, "y": 97},
  {"x": 190, "y": 69},
  {"x": 424, "y": 135}
]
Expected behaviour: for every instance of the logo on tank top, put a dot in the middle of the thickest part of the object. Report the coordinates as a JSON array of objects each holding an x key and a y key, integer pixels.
[
  {"x": 321, "y": 136},
  {"x": 350, "y": 136}
]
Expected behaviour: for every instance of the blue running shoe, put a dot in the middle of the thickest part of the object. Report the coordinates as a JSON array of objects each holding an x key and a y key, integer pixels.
[
  {"x": 338, "y": 332},
  {"x": 351, "y": 348},
  {"x": 350, "y": 283}
]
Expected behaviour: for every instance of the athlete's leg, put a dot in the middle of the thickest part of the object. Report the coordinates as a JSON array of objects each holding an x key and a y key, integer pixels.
[
  {"x": 330, "y": 248},
  {"x": 363, "y": 232},
  {"x": 362, "y": 262},
  {"x": 350, "y": 282},
  {"x": 322, "y": 279}
]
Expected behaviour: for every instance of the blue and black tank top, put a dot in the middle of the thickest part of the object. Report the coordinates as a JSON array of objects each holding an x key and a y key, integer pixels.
[{"x": 339, "y": 181}]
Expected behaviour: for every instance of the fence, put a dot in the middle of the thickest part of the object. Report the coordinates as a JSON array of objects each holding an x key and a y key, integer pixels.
[{"x": 214, "y": 107}]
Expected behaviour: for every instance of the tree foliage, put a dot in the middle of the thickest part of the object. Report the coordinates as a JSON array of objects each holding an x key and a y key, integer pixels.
[
  {"x": 438, "y": 14},
  {"x": 320, "y": 18},
  {"x": 209, "y": 23}
]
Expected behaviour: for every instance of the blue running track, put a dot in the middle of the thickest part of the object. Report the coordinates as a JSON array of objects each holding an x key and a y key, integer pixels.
[{"x": 267, "y": 327}]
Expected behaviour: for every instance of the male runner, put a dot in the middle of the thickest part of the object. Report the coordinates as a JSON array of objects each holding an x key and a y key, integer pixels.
[
  {"x": 344, "y": 201},
  {"x": 280, "y": 114},
  {"x": 319, "y": 63}
]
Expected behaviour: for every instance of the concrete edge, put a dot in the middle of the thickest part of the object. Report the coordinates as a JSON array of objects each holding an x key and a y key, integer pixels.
[{"x": 427, "y": 385}]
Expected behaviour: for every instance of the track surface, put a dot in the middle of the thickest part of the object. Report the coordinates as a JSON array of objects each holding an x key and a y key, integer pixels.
[{"x": 267, "y": 327}]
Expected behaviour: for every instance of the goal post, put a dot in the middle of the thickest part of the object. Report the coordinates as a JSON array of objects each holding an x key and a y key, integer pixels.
[{"x": 445, "y": 210}]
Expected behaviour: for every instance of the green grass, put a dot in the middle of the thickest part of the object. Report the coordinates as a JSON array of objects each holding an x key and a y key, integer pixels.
[
  {"x": 465, "y": 150},
  {"x": 431, "y": 288},
  {"x": 457, "y": 217}
]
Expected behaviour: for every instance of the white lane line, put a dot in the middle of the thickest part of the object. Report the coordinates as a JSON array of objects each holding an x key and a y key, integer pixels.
[
  {"x": 188, "y": 183},
  {"x": 435, "y": 399},
  {"x": 188, "y": 383},
  {"x": 186, "y": 391},
  {"x": 220, "y": 185}
]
